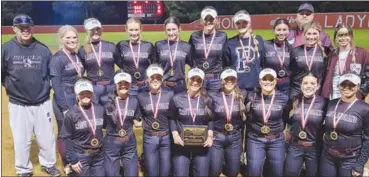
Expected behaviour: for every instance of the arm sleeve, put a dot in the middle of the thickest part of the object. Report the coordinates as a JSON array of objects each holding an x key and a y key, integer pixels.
[
  {"x": 3, "y": 65},
  {"x": 172, "y": 116},
  {"x": 364, "y": 152},
  {"x": 262, "y": 58},
  {"x": 110, "y": 109},
  {"x": 225, "y": 60},
  {"x": 55, "y": 74},
  {"x": 66, "y": 134},
  {"x": 47, "y": 68},
  {"x": 326, "y": 42}
]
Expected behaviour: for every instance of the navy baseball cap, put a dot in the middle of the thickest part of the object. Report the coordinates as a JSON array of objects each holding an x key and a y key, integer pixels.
[
  {"x": 22, "y": 19},
  {"x": 306, "y": 6}
]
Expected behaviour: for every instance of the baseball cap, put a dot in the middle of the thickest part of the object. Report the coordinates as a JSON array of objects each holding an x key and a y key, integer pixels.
[
  {"x": 228, "y": 73},
  {"x": 22, "y": 19},
  {"x": 267, "y": 71},
  {"x": 355, "y": 79},
  {"x": 92, "y": 23},
  {"x": 196, "y": 72},
  {"x": 241, "y": 16},
  {"x": 122, "y": 76},
  {"x": 208, "y": 11},
  {"x": 83, "y": 85},
  {"x": 154, "y": 69},
  {"x": 306, "y": 6}
]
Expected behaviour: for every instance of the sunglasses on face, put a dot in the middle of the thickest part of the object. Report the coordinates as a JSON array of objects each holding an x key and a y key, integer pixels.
[
  {"x": 196, "y": 79},
  {"x": 156, "y": 77},
  {"x": 23, "y": 28},
  {"x": 305, "y": 13},
  {"x": 347, "y": 84},
  {"x": 343, "y": 34}
]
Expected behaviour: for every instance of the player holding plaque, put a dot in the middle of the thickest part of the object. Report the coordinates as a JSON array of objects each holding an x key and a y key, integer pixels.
[
  {"x": 346, "y": 138},
  {"x": 82, "y": 133},
  {"x": 228, "y": 110},
  {"x": 265, "y": 124},
  {"x": 207, "y": 46},
  {"x": 191, "y": 127},
  {"x": 306, "y": 120},
  {"x": 154, "y": 110}
]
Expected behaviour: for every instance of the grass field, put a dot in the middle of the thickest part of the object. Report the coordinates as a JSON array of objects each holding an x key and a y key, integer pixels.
[{"x": 361, "y": 39}]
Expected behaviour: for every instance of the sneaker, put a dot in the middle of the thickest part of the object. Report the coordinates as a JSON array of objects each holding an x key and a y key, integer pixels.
[
  {"x": 53, "y": 171},
  {"x": 25, "y": 175}
]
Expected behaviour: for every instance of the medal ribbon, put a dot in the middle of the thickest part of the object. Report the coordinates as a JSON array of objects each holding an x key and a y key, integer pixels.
[
  {"x": 309, "y": 64},
  {"x": 266, "y": 115},
  {"x": 207, "y": 51},
  {"x": 227, "y": 109},
  {"x": 135, "y": 60},
  {"x": 120, "y": 111},
  {"x": 155, "y": 111},
  {"x": 172, "y": 57},
  {"x": 335, "y": 120},
  {"x": 304, "y": 118},
  {"x": 193, "y": 112},
  {"x": 98, "y": 58},
  {"x": 78, "y": 69},
  {"x": 247, "y": 57},
  {"x": 281, "y": 60},
  {"x": 84, "y": 115}
]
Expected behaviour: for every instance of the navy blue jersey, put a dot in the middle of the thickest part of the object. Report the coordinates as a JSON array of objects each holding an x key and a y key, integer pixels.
[
  {"x": 278, "y": 113},
  {"x": 216, "y": 63},
  {"x": 182, "y": 57},
  {"x": 109, "y": 56},
  {"x": 314, "y": 125},
  {"x": 113, "y": 123},
  {"x": 180, "y": 112},
  {"x": 234, "y": 55},
  {"x": 127, "y": 62},
  {"x": 25, "y": 72},
  {"x": 147, "y": 113},
  {"x": 77, "y": 131},
  {"x": 218, "y": 109},
  {"x": 64, "y": 75},
  {"x": 270, "y": 58}
]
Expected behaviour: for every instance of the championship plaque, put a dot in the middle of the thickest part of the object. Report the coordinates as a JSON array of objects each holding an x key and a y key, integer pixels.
[{"x": 194, "y": 135}]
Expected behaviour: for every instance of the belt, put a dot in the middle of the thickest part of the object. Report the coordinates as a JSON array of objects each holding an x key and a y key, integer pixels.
[
  {"x": 270, "y": 137},
  {"x": 339, "y": 152},
  {"x": 122, "y": 139},
  {"x": 102, "y": 83},
  {"x": 91, "y": 151},
  {"x": 231, "y": 132},
  {"x": 304, "y": 143},
  {"x": 156, "y": 133},
  {"x": 139, "y": 83},
  {"x": 170, "y": 84},
  {"x": 210, "y": 75}
]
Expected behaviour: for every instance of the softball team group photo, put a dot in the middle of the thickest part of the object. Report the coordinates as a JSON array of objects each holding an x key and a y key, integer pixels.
[{"x": 247, "y": 106}]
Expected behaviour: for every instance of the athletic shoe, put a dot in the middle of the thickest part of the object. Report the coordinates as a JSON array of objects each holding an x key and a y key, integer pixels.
[{"x": 53, "y": 171}]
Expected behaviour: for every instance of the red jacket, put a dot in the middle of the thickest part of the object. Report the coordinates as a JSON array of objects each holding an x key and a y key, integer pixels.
[{"x": 362, "y": 59}]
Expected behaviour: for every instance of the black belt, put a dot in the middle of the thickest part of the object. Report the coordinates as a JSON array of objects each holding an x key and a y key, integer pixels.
[
  {"x": 156, "y": 133},
  {"x": 342, "y": 152},
  {"x": 267, "y": 136},
  {"x": 105, "y": 83},
  {"x": 91, "y": 151}
]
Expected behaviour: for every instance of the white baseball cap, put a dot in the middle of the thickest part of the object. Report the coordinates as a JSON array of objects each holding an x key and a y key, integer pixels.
[
  {"x": 92, "y": 23},
  {"x": 355, "y": 79},
  {"x": 267, "y": 71},
  {"x": 196, "y": 72},
  {"x": 83, "y": 85},
  {"x": 228, "y": 73},
  {"x": 241, "y": 16},
  {"x": 208, "y": 11},
  {"x": 154, "y": 69},
  {"x": 122, "y": 77}
]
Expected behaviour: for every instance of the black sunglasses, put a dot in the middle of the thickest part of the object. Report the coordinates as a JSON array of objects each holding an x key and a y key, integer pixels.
[{"x": 305, "y": 13}]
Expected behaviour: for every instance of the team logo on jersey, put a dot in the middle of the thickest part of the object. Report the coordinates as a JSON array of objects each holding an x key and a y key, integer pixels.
[
  {"x": 244, "y": 58},
  {"x": 29, "y": 62},
  {"x": 354, "y": 67}
]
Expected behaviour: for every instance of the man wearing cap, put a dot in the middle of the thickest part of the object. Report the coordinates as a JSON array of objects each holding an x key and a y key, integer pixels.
[
  {"x": 346, "y": 139},
  {"x": 305, "y": 14},
  {"x": 25, "y": 76}
]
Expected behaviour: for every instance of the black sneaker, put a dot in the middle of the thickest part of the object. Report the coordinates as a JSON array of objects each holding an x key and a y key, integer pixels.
[
  {"x": 53, "y": 171},
  {"x": 25, "y": 175}
]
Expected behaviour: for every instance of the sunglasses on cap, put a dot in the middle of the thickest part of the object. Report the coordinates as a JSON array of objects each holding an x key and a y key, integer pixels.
[{"x": 308, "y": 13}]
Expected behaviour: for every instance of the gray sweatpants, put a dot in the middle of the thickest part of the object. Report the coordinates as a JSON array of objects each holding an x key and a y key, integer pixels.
[{"x": 26, "y": 120}]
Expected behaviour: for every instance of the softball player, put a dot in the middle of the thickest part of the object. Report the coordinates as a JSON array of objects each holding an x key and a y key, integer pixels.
[
  {"x": 25, "y": 76},
  {"x": 265, "y": 125},
  {"x": 173, "y": 54},
  {"x": 135, "y": 56},
  {"x": 65, "y": 68},
  {"x": 120, "y": 141},
  {"x": 191, "y": 108},
  {"x": 346, "y": 137},
  {"x": 98, "y": 57},
  {"x": 345, "y": 58},
  {"x": 206, "y": 48},
  {"x": 228, "y": 109},
  {"x": 278, "y": 54},
  {"x": 82, "y": 133},
  {"x": 244, "y": 52},
  {"x": 154, "y": 110},
  {"x": 306, "y": 120}
]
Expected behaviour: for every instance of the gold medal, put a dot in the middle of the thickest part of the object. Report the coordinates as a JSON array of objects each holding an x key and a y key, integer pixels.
[
  {"x": 334, "y": 135},
  {"x": 95, "y": 142},
  {"x": 228, "y": 127},
  {"x": 155, "y": 125},
  {"x": 122, "y": 133},
  {"x": 302, "y": 134},
  {"x": 100, "y": 72},
  {"x": 172, "y": 72},
  {"x": 265, "y": 129}
]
